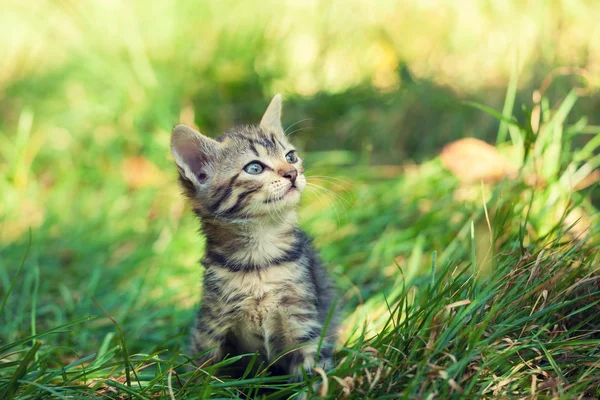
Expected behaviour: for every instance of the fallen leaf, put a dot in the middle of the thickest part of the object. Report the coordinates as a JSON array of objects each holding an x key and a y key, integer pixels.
[
  {"x": 138, "y": 172},
  {"x": 472, "y": 160}
]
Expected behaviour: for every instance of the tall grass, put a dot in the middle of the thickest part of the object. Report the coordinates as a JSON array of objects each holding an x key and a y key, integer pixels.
[
  {"x": 451, "y": 289},
  {"x": 108, "y": 314}
]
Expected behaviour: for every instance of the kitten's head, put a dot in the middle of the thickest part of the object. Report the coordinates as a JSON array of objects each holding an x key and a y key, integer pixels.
[{"x": 248, "y": 172}]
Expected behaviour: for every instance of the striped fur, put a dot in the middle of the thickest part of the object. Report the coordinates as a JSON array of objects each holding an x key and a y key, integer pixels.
[{"x": 264, "y": 288}]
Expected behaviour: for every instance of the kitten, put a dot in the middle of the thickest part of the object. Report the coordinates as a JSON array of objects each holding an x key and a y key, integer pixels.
[{"x": 264, "y": 288}]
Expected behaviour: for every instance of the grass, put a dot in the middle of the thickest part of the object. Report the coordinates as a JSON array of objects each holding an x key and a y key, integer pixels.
[{"x": 452, "y": 288}]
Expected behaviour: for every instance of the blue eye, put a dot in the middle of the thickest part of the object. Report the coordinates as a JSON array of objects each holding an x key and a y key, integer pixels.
[
  {"x": 253, "y": 168},
  {"x": 291, "y": 157}
]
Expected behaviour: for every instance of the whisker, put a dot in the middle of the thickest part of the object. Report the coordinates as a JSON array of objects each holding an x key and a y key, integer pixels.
[
  {"x": 296, "y": 123},
  {"x": 332, "y": 193},
  {"x": 277, "y": 214},
  {"x": 270, "y": 208},
  {"x": 332, "y": 178},
  {"x": 333, "y": 197},
  {"x": 334, "y": 184},
  {"x": 280, "y": 209},
  {"x": 333, "y": 204},
  {"x": 247, "y": 215},
  {"x": 322, "y": 198},
  {"x": 315, "y": 188},
  {"x": 298, "y": 130}
]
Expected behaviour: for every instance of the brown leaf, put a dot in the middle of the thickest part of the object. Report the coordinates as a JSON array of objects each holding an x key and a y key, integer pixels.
[
  {"x": 139, "y": 172},
  {"x": 472, "y": 160}
]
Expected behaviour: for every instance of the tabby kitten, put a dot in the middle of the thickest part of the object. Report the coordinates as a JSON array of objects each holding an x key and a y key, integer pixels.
[{"x": 264, "y": 288}]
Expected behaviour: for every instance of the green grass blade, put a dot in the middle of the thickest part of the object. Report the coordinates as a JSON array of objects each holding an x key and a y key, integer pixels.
[
  {"x": 509, "y": 103},
  {"x": 14, "y": 280},
  {"x": 14, "y": 382}
]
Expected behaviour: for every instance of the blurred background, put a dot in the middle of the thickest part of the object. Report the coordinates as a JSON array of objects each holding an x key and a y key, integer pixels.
[{"x": 89, "y": 91}]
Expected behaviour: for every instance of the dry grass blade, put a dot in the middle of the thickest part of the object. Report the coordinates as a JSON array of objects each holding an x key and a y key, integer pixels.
[
  {"x": 170, "y": 385},
  {"x": 346, "y": 386},
  {"x": 457, "y": 304},
  {"x": 325, "y": 384}
]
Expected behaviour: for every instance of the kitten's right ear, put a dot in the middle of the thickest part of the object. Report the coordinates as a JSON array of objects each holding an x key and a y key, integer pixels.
[{"x": 194, "y": 153}]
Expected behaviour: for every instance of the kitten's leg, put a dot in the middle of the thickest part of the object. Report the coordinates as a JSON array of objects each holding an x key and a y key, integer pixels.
[
  {"x": 305, "y": 341},
  {"x": 273, "y": 341},
  {"x": 208, "y": 333},
  {"x": 304, "y": 355}
]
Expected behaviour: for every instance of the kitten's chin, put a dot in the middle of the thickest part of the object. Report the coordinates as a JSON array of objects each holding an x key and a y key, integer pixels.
[
  {"x": 288, "y": 201},
  {"x": 293, "y": 196}
]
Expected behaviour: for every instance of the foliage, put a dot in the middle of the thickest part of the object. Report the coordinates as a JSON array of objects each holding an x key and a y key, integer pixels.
[
  {"x": 450, "y": 289},
  {"x": 510, "y": 305}
]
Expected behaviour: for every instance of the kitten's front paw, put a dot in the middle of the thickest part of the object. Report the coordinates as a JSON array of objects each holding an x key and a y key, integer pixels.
[
  {"x": 325, "y": 365},
  {"x": 298, "y": 376}
]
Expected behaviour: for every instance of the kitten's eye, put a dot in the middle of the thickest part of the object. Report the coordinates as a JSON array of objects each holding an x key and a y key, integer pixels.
[
  {"x": 291, "y": 157},
  {"x": 253, "y": 168}
]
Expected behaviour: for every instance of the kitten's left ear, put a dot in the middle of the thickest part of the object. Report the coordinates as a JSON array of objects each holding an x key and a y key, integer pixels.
[{"x": 271, "y": 120}]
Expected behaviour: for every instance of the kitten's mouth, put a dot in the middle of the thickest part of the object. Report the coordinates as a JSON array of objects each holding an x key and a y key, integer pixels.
[{"x": 292, "y": 189}]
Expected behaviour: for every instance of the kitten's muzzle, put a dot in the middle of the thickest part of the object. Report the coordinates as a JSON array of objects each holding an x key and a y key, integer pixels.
[{"x": 292, "y": 174}]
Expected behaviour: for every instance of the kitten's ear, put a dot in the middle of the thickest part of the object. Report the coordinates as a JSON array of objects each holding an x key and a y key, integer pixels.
[
  {"x": 194, "y": 153},
  {"x": 272, "y": 118}
]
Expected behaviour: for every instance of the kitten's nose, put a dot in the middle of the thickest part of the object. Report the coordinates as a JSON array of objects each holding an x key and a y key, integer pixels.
[{"x": 291, "y": 175}]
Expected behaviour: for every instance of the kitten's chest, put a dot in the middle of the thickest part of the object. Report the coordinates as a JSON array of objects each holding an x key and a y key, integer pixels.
[{"x": 260, "y": 295}]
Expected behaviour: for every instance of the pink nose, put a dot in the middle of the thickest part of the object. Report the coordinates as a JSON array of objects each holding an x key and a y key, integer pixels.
[{"x": 292, "y": 174}]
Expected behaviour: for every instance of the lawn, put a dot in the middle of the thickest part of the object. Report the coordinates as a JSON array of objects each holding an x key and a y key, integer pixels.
[{"x": 466, "y": 271}]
